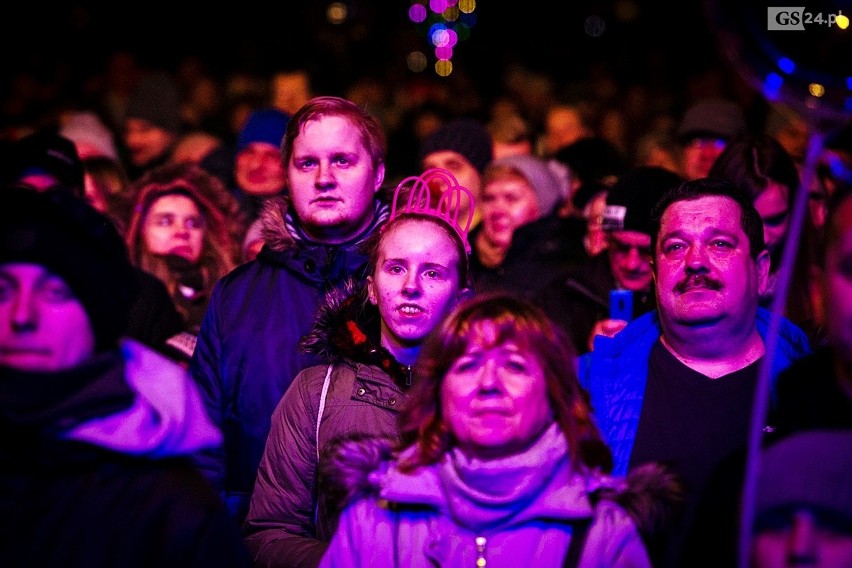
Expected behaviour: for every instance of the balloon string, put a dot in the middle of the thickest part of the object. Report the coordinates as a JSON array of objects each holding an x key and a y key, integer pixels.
[{"x": 762, "y": 389}]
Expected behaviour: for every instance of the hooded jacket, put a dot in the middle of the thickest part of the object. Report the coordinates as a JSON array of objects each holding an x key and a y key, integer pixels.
[
  {"x": 521, "y": 510},
  {"x": 356, "y": 393},
  {"x": 95, "y": 468},
  {"x": 246, "y": 355}
]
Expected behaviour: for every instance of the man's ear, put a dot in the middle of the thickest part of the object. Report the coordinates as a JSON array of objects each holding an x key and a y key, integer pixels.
[
  {"x": 763, "y": 264},
  {"x": 371, "y": 293},
  {"x": 380, "y": 177}
]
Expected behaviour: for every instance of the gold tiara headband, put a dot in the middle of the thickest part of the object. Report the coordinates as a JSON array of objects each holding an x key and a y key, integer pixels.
[{"x": 419, "y": 201}]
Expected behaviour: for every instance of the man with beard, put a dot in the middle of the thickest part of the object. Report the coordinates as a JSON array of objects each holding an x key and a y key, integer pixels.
[{"x": 676, "y": 385}]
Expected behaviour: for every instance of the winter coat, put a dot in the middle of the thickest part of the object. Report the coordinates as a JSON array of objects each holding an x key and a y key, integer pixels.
[
  {"x": 524, "y": 510},
  {"x": 616, "y": 373},
  {"x": 356, "y": 394},
  {"x": 246, "y": 354},
  {"x": 540, "y": 251},
  {"x": 94, "y": 468}
]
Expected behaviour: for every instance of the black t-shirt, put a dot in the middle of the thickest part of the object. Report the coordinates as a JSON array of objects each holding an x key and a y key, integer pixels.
[{"x": 692, "y": 423}]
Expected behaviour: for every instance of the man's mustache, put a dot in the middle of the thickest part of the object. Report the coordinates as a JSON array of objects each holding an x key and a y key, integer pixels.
[{"x": 697, "y": 281}]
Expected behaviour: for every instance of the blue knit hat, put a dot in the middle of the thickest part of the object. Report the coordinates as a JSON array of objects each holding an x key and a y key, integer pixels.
[{"x": 263, "y": 125}]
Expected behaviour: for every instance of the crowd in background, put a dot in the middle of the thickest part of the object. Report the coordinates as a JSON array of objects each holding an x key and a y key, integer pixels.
[{"x": 287, "y": 321}]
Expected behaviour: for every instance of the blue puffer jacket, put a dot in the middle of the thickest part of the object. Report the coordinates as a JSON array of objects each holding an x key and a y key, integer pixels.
[
  {"x": 247, "y": 351},
  {"x": 616, "y": 372}
]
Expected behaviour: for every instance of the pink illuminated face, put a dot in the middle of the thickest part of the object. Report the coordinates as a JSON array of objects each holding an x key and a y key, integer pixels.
[
  {"x": 630, "y": 259},
  {"x": 466, "y": 174},
  {"x": 43, "y": 326},
  {"x": 174, "y": 225},
  {"x": 332, "y": 180},
  {"x": 494, "y": 398},
  {"x": 774, "y": 210},
  {"x": 146, "y": 142},
  {"x": 803, "y": 543},
  {"x": 699, "y": 155},
  {"x": 704, "y": 272},
  {"x": 258, "y": 169},
  {"x": 507, "y": 203},
  {"x": 415, "y": 283}
]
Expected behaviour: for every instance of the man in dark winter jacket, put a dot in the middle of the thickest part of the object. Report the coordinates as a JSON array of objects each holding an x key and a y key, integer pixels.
[
  {"x": 246, "y": 355},
  {"x": 95, "y": 436}
]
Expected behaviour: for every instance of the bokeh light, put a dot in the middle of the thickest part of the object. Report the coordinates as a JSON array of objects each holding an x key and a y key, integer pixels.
[
  {"x": 416, "y": 61},
  {"x": 438, "y": 6},
  {"x": 786, "y": 65},
  {"x": 417, "y": 13},
  {"x": 816, "y": 90},
  {"x": 443, "y": 67},
  {"x": 842, "y": 21},
  {"x": 446, "y": 23},
  {"x": 337, "y": 13}
]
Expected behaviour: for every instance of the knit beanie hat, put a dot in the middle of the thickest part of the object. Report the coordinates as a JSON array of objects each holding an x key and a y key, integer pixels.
[
  {"x": 156, "y": 100},
  {"x": 714, "y": 118},
  {"x": 263, "y": 125},
  {"x": 467, "y": 136},
  {"x": 86, "y": 128},
  {"x": 538, "y": 174},
  {"x": 808, "y": 469},
  {"x": 630, "y": 201},
  {"x": 48, "y": 153},
  {"x": 67, "y": 236},
  {"x": 592, "y": 159}
]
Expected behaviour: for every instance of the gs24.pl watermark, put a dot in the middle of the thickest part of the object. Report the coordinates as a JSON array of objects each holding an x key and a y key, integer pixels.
[{"x": 785, "y": 18}]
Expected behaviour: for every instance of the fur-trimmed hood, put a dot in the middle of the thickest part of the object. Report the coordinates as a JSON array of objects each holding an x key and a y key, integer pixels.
[
  {"x": 347, "y": 326},
  {"x": 352, "y": 469},
  {"x": 273, "y": 226}
]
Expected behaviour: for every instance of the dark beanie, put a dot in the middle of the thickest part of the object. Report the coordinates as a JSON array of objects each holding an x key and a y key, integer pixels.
[
  {"x": 467, "y": 136},
  {"x": 72, "y": 240},
  {"x": 156, "y": 100},
  {"x": 52, "y": 154},
  {"x": 630, "y": 201},
  {"x": 263, "y": 125}
]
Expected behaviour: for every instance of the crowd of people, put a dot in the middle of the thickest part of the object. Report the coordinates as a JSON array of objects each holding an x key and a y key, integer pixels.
[{"x": 531, "y": 339}]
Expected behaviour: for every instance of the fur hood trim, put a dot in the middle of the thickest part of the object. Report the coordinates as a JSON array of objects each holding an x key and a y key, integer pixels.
[
  {"x": 273, "y": 226},
  {"x": 346, "y": 326}
]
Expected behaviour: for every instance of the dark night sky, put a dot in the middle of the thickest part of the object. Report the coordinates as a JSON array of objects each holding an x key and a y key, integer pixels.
[{"x": 672, "y": 42}]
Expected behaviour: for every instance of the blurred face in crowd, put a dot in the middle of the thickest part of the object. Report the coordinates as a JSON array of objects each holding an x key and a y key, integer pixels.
[
  {"x": 630, "y": 259},
  {"x": 43, "y": 327},
  {"x": 699, "y": 154},
  {"x": 595, "y": 239},
  {"x": 704, "y": 271},
  {"x": 774, "y": 210},
  {"x": 332, "y": 180},
  {"x": 801, "y": 541},
  {"x": 508, "y": 201},
  {"x": 494, "y": 397},
  {"x": 146, "y": 142},
  {"x": 465, "y": 173},
  {"x": 258, "y": 169},
  {"x": 174, "y": 225},
  {"x": 415, "y": 282},
  {"x": 838, "y": 280}
]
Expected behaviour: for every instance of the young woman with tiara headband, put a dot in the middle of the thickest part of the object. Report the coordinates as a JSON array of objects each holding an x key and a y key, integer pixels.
[{"x": 371, "y": 334}]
